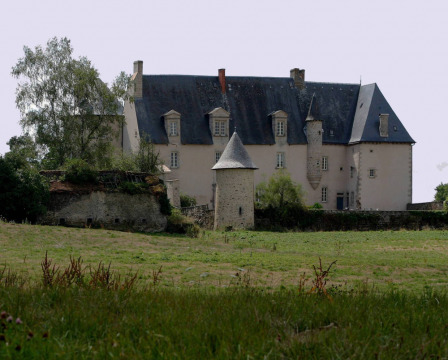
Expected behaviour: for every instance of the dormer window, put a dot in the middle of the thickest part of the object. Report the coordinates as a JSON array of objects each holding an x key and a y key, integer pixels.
[
  {"x": 219, "y": 122},
  {"x": 220, "y": 127},
  {"x": 280, "y": 128},
  {"x": 279, "y": 123},
  {"x": 173, "y": 128},
  {"x": 172, "y": 123}
]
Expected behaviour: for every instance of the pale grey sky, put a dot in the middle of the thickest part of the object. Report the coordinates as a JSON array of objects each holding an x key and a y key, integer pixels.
[{"x": 400, "y": 45}]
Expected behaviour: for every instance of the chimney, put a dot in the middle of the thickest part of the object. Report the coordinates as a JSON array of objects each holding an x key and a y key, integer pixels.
[
  {"x": 222, "y": 79},
  {"x": 299, "y": 78},
  {"x": 137, "y": 79},
  {"x": 384, "y": 125}
]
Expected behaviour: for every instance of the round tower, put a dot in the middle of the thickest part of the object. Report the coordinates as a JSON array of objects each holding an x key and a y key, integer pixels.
[
  {"x": 314, "y": 147},
  {"x": 234, "y": 197}
]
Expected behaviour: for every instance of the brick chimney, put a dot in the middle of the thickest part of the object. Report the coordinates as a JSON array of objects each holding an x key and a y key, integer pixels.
[
  {"x": 299, "y": 77},
  {"x": 384, "y": 125},
  {"x": 137, "y": 79},
  {"x": 222, "y": 80}
]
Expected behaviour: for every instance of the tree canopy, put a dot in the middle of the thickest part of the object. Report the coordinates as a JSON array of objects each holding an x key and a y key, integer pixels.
[
  {"x": 441, "y": 192},
  {"x": 279, "y": 190},
  {"x": 65, "y": 107}
]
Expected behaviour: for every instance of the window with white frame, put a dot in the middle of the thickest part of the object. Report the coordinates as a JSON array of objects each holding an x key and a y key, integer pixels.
[
  {"x": 220, "y": 128},
  {"x": 280, "y": 160},
  {"x": 217, "y": 156},
  {"x": 372, "y": 173},
  {"x": 280, "y": 131},
  {"x": 174, "y": 159},
  {"x": 325, "y": 163},
  {"x": 324, "y": 194},
  {"x": 173, "y": 128}
]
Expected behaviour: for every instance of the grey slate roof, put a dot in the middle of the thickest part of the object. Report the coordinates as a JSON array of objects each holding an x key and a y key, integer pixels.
[
  {"x": 250, "y": 100},
  {"x": 371, "y": 103},
  {"x": 235, "y": 156}
]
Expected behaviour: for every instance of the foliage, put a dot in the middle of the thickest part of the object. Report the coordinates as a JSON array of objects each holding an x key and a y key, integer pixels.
[
  {"x": 316, "y": 206},
  {"x": 23, "y": 152},
  {"x": 145, "y": 159},
  {"x": 278, "y": 191},
  {"x": 165, "y": 206},
  {"x": 441, "y": 192},
  {"x": 78, "y": 171},
  {"x": 180, "y": 224},
  {"x": 187, "y": 201},
  {"x": 133, "y": 188},
  {"x": 23, "y": 192},
  {"x": 63, "y": 103}
]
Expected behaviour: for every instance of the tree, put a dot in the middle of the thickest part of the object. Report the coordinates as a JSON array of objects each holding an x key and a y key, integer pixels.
[
  {"x": 23, "y": 152},
  {"x": 65, "y": 106},
  {"x": 441, "y": 192},
  {"x": 279, "y": 191},
  {"x": 23, "y": 192}
]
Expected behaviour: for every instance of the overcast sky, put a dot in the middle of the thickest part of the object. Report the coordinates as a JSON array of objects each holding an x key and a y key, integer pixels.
[{"x": 400, "y": 45}]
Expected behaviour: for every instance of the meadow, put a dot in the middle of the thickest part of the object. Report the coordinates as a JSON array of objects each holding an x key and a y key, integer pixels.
[{"x": 224, "y": 295}]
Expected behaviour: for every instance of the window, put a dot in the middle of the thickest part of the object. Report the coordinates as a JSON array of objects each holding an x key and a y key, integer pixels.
[
  {"x": 280, "y": 131},
  {"x": 173, "y": 128},
  {"x": 324, "y": 194},
  {"x": 280, "y": 160},
  {"x": 136, "y": 134},
  {"x": 372, "y": 173},
  {"x": 220, "y": 128},
  {"x": 217, "y": 156},
  {"x": 352, "y": 171},
  {"x": 352, "y": 199},
  {"x": 174, "y": 160},
  {"x": 325, "y": 163}
]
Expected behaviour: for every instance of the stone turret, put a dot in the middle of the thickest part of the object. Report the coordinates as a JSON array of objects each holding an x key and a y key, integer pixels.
[
  {"x": 234, "y": 206},
  {"x": 314, "y": 148}
]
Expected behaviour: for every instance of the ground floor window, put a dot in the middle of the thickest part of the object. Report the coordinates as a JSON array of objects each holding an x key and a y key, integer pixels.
[{"x": 324, "y": 194}]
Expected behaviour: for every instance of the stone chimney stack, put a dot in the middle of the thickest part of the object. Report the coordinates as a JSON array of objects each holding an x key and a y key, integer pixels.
[
  {"x": 137, "y": 79},
  {"x": 384, "y": 125},
  {"x": 299, "y": 78},
  {"x": 222, "y": 80}
]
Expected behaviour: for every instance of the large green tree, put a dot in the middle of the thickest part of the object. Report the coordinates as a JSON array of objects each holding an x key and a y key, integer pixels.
[
  {"x": 279, "y": 190},
  {"x": 441, "y": 192},
  {"x": 67, "y": 109}
]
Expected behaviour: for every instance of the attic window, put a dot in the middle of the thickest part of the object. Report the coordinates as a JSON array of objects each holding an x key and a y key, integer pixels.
[
  {"x": 395, "y": 128},
  {"x": 331, "y": 133},
  {"x": 173, "y": 128},
  {"x": 219, "y": 128},
  {"x": 280, "y": 130}
]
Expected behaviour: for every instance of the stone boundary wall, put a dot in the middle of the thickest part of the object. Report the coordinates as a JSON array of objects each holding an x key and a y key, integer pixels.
[
  {"x": 201, "y": 215},
  {"x": 434, "y": 205},
  {"x": 334, "y": 220},
  {"x": 338, "y": 220}
]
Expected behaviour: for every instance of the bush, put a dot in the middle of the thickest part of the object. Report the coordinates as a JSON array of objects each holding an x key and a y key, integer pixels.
[
  {"x": 180, "y": 224},
  {"x": 78, "y": 171},
  {"x": 23, "y": 192},
  {"x": 187, "y": 201}
]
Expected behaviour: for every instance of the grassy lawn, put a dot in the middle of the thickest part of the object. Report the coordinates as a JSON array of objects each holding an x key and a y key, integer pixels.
[
  {"x": 386, "y": 297},
  {"x": 399, "y": 259}
]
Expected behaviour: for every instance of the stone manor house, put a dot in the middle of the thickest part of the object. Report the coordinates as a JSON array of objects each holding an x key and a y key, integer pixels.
[{"x": 342, "y": 142}]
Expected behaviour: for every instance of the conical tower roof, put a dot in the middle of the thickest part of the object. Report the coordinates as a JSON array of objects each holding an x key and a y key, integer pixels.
[
  {"x": 235, "y": 156},
  {"x": 313, "y": 112}
]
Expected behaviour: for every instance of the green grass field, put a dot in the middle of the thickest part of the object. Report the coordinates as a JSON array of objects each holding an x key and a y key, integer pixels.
[
  {"x": 234, "y": 295},
  {"x": 404, "y": 259}
]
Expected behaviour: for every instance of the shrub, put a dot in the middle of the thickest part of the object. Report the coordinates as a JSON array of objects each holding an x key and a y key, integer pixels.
[
  {"x": 187, "y": 201},
  {"x": 23, "y": 192},
  {"x": 180, "y": 224},
  {"x": 78, "y": 171}
]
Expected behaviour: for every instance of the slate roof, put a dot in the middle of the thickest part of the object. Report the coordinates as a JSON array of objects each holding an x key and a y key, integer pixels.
[
  {"x": 250, "y": 100},
  {"x": 234, "y": 156}
]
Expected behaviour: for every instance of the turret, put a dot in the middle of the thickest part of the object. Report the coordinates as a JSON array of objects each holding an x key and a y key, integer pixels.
[{"x": 314, "y": 148}]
